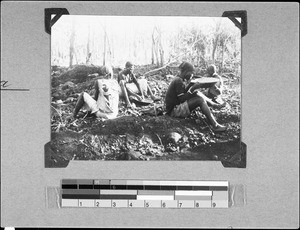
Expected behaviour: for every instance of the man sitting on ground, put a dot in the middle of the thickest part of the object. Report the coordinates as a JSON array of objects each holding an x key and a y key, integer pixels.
[
  {"x": 214, "y": 92},
  {"x": 181, "y": 100},
  {"x": 105, "y": 102},
  {"x": 130, "y": 86}
]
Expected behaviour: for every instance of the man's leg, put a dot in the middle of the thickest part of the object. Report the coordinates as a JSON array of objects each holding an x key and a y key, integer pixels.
[
  {"x": 132, "y": 90},
  {"x": 98, "y": 89},
  {"x": 85, "y": 99},
  {"x": 124, "y": 90},
  {"x": 79, "y": 105},
  {"x": 198, "y": 101},
  {"x": 151, "y": 94},
  {"x": 209, "y": 101},
  {"x": 145, "y": 88}
]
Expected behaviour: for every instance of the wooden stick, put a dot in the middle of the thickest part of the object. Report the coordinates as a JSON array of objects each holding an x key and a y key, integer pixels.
[{"x": 159, "y": 139}]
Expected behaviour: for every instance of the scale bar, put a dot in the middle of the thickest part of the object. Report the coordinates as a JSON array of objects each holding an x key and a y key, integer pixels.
[{"x": 147, "y": 194}]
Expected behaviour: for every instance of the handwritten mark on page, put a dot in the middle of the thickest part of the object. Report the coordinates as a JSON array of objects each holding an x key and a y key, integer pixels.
[{"x": 5, "y": 85}]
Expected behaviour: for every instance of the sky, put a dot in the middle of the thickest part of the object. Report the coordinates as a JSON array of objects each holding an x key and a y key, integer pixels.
[{"x": 123, "y": 29}]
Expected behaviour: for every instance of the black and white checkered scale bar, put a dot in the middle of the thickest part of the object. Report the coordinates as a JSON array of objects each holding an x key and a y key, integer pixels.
[{"x": 104, "y": 193}]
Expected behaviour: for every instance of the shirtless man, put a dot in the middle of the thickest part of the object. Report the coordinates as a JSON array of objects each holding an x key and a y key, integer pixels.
[
  {"x": 181, "y": 98},
  {"x": 214, "y": 92},
  {"x": 131, "y": 86}
]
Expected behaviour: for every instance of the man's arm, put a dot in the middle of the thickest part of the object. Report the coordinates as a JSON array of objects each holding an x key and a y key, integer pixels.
[
  {"x": 137, "y": 85},
  {"x": 186, "y": 96},
  {"x": 220, "y": 84},
  {"x": 182, "y": 93},
  {"x": 193, "y": 87},
  {"x": 121, "y": 76}
]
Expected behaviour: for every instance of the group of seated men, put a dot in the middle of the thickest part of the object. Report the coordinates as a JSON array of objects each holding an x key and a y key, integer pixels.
[{"x": 181, "y": 99}]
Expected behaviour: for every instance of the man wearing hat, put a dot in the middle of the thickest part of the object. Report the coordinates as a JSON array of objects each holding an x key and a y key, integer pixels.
[
  {"x": 181, "y": 99},
  {"x": 130, "y": 86}
]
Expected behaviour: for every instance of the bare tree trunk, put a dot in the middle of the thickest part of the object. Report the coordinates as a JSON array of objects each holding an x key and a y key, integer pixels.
[
  {"x": 108, "y": 47},
  {"x": 152, "y": 50},
  {"x": 75, "y": 55},
  {"x": 222, "y": 63},
  {"x": 156, "y": 56},
  {"x": 223, "y": 51},
  {"x": 104, "y": 49},
  {"x": 88, "y": 47},
  {"x": 215, "y": 44},
  {"x": 134, "y": 49},
  {"x": 145, "y": 51},
  {"x": 112, "y": 48},
  {"x": 155, "y": 51},
  {"x": 145, "y": 56},
  {"x": 71, "y": 51},
  {"x": 161, "y": 51},
  {"x": 216, "y": 40}
]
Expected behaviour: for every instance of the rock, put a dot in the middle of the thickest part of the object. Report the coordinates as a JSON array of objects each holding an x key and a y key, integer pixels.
[
  {"x": 215, "y": 157},
  {"x": 174, "y": 137},
  {"x": 134, "y": 155}
]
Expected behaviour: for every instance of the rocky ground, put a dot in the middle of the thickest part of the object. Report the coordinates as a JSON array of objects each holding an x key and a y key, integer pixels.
[{"x": 137, "y": 134}]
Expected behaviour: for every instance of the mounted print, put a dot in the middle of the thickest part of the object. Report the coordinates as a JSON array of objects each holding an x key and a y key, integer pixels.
[{"x": 145, "y": 88}]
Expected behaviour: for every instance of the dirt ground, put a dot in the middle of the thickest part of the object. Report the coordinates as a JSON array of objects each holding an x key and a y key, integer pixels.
[{"x": 134, "y": 134}]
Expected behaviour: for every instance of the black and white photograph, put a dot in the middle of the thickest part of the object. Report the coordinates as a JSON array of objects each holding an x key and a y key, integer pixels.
[
  {"x": 160, "y": 114},
  {"x": 145, "y": 88}
]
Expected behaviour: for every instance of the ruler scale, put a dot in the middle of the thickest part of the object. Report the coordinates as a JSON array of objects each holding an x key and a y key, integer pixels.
[{"x": 144, "y": 194}]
